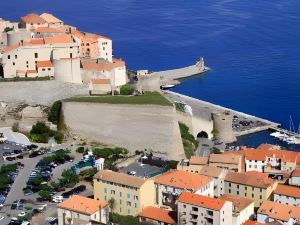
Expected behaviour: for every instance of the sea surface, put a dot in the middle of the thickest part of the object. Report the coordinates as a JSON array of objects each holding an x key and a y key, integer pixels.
[{"x": 252, "y": 47}]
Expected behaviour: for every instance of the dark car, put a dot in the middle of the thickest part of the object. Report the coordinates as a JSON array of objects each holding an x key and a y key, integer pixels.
[
  {"x": 14, "y": 205},
  {"x": 10, "y": 158},
  {"x": 79, "y": 189}
]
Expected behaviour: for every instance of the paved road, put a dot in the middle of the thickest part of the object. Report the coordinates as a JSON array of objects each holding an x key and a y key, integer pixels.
[{"x": 14, "y": 136}]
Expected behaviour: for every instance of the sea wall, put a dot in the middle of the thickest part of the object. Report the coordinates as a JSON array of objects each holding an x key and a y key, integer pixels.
[{"x": 135, "y": 127}]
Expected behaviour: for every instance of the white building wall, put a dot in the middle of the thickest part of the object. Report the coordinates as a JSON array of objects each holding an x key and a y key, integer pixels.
[
  {"x": 67, "y": 70},
  {"x": 118, "y": 76},
  {"x": 294, "y": 181},
  {"x": 105, "y": 48},
  {"x": 207, "y": 190},
  {"x": 283, "y": 199},
  {"x": 241, "y": 217},
  {"x": 255, "y": 165}
]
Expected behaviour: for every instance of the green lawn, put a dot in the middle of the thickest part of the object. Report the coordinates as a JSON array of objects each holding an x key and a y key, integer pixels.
[{"x": 153, "y": 98}]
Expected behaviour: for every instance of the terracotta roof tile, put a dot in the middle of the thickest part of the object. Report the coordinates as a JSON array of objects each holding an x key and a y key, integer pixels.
[
  {"x": 251, "y": 222},
  {"x": 103, "y": 66},
  {"x": 239, "y": 203},
  {"x": 59, "y": 39},
  {"x": 287, "y": 190},
  {"x": 44, "y": 63},
  {"x": 197, "y": 160},
  {"x": 296, "y": 172},
  {"x": 120, "y": 178},
  {"x": 200, "y": 200},
  {"x": 50, "y": 18},
  {"x": 82, "y": 204},
  {"x": 158, "y": 214},
  {"x": 225, "y": 158},
  {"x": 248, "y": 179},
  {"x": 279, "y": 211},
  {"x": 47, "y": 30},
  {"x": 182, "y": 179},
  {"x": 33, "y": 18},
  {"x": 211, "y": 171}
]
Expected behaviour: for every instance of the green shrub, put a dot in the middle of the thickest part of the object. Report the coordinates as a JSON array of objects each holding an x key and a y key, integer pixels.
[
  {"x": 54, "y": 112},
  {"x": 127, "y": 89},
  {"x": 28, "y": 207},
  {"x": 58, "y": 137},
  {"x": 80, "y": 149},
  {"x": 40, "y": 133},
  {"x": 189, "y": 142}
]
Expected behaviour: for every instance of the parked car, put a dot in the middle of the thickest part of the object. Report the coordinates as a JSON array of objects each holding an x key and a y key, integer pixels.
[
  {"x": 57, "y": 199},
  {"x": 14, "y": 205}
]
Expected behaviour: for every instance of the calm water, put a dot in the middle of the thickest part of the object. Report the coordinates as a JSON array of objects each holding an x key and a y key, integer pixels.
[{"x": 253, "y": 47}]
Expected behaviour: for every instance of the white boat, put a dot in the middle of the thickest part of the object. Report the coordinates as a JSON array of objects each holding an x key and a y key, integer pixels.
[{"x": 166, "y": 86}]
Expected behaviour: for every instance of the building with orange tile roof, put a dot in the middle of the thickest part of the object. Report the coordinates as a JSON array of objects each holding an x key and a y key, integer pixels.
[
  {"x": 251, "y": 222},
  {"x": 32, "y": 21},
  {"x": 198, "y": 209},
  {"x": 45, "y": 68},
  {"x": 42, "y": 32},
  {"x": 93, "y": 45},
  {"x": 193, "y": 165},
  {"x": 100, "y": 86},
  {"x": 273, "y": 211},
  {"x": 254, "y": 186},
  {"x": 52, "y": 21},
  {"x": 243, "y": 208},
  {"x": 269, "y": 159},
  {"x": 104, "y": 69},
  {"x": 132, "y": 194},
  {"x": 288, "y": 195},
  {"x": 295, "y": 177},
  {"x": 83, "y": 208},
  {"x": 157, "y": 216},
  {"x": 229, "y": 161},
  {"x": 171, "y": 184}
]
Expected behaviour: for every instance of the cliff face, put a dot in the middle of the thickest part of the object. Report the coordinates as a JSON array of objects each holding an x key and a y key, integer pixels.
[{"x": 136, "y": 127}]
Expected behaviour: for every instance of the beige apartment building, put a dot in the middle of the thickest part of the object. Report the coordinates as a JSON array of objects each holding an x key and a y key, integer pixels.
[
  {"x": 255, "y": 186},
  {"x": 230, "y": 161},
  {"x": 131, "y": 194},
  {"x": 194, "y": 209},
  {"x": 51, "y": 20}
]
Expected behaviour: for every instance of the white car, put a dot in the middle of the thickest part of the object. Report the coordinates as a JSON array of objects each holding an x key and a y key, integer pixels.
[
  {"x": 21, "y": 214},
  {"x": 58, "y": 199},
  {"x": 42, "y": 208}
]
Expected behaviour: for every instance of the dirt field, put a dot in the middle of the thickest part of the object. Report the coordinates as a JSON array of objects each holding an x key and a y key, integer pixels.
[{"x": 131, "y": 126}]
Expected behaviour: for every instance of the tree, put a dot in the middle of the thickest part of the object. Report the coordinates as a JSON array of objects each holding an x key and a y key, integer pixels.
[
  {"x": 44, "y": 194},
  {"x": 127, "y": 89},
  {"x": 54, "y": 112},
  {"x": 216, "y": 150},
  {"x": 7, "y": 29},
  {"x": 69, "y": 178},
  {"x": 55, "y": 185},
  {"x": 214, "y": 132}
]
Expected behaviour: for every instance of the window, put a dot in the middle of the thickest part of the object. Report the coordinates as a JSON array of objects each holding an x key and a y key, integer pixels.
[
  {"x": 120, "y": 201},
  {"x": 105, "y": 197},
  {"x": 229, "y": 191},
  {"x": 195, "y": 209},
  {"x": 128, "y": 195},
  {"x": 261, "y": 190},
  {"x": 237, "y": 186},
  {"x": 14, "y": 63},
  {"x": 8, "y": 56},
  {"x": 49, "y": 69},
  {"x": 260, "y": 197},
  {"x": 229, "y": 184},
  {"x": 120, "y": 209},
  {"x": 135, "y": 205},
  {"x": 112, "y": 192},
  {"x": 252, "y": 195},
  {"x": 43, "y": 69},
  {"x": 36, "y": 55},
  {"x": 136, "y": 197},
  {"x": 105, "y": 190},
  {"x": 71, "y": 55},
  {"x": 237, "y": 192},
  {"x": 120, "y": 194},
  {"x": 129, "y": 212},
  {"x": 16, "y": 56},
  {"x": 128, "y": 203},
  {"x": 184, "y": 206}
]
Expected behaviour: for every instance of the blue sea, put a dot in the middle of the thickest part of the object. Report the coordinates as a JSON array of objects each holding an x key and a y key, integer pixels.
[{"x": 252, "y": 47}]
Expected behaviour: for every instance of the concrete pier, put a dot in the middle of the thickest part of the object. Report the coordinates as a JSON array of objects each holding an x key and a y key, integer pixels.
[
  {"x": 257, "y": 124},
  {"x": 184, "y": 72}
]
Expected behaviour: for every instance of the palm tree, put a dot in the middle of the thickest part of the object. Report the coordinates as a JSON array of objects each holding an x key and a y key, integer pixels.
[{"x": 112, "y": 206}]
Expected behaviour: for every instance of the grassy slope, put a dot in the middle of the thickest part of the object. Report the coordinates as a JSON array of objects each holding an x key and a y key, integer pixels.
[{"x": 153, "y": 98}]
